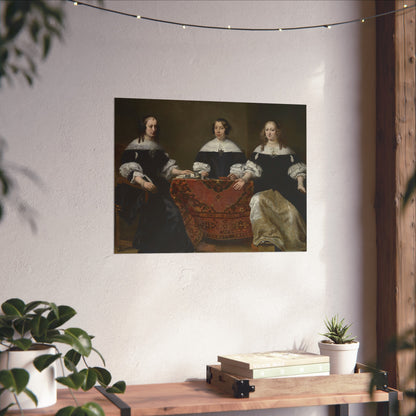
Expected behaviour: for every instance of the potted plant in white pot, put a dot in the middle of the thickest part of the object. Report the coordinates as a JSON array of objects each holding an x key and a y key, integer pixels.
[
  {"x": 341, "y": 347},
  {"x": 31, "y": 336}
]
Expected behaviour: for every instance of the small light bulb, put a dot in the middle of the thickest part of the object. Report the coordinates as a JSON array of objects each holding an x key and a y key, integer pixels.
[
  {"x": 362, "y": 20},
  {"x": 405, "y": 6},
  {"x": 75, "y": 3},
  {"x": 183, "y": 27},
  {"x": 139, "y": 17},
  {"x": 329, "y": 26},
  {"x": 280, "y": 29},
  {"x": 229, "y": 27}
]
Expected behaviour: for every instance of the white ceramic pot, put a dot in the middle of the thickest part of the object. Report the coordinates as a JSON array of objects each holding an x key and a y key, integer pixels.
[
  {"x": 342, "y": 357},
  {"x": 42, "y": 384}
]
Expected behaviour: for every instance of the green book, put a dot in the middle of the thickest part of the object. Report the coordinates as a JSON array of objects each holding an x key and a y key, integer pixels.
[
  {"x": 274, "y": 372},
  {"x": 256, "y": 360}
]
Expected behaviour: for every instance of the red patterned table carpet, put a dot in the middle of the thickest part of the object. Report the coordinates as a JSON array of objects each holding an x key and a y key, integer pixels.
[{"x": 212, "y": 208}]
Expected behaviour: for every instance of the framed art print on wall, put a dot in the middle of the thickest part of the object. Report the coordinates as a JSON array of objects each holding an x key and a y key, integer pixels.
[{"x": 202, "y": 176}]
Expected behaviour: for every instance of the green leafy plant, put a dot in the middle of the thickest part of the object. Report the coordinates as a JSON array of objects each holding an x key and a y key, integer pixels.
[
  {"x": 25, "y": 326},
  {"x": 28, "y": 29},
  {"x": 337, "y": 331}
]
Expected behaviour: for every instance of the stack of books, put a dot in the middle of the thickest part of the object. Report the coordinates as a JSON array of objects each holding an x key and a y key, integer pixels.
[{"x": 275, "y": 364}]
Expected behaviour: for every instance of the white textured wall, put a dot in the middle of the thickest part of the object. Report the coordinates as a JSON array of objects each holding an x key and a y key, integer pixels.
[{"x": 162, "y": 318}]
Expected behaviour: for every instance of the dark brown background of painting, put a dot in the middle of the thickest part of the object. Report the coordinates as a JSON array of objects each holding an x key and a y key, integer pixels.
[{"x": 186, "y": 125}]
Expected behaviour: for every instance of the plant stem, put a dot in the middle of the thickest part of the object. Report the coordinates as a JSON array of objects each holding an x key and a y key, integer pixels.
[
  {"x": 63, "y": 373},
  {"x": 18, "y": 403}
]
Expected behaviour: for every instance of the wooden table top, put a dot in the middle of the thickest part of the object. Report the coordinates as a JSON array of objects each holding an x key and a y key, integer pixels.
[{"x": 197, "y": 396}]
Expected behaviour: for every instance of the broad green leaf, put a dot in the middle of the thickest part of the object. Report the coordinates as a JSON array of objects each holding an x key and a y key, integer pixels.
[
  {"x": 46, "y": 45},
  {"x": 51, "y": 334},
  {"x": 90, "y": 379},
  {"x": 77, "y": 338},
  {"x": 44, "y": 361},
  {"x": 22, "y": 325},
  {"x": 28, "y": 78},
  {"x": 39, "y": 327},
  {"x": 410, "y": 188},
  {"x": 54, "y": 309},
  {"x": 5, "y": 181},
  {"x": 22, "y": 343},
  {"x": 103, "y": 375},
  {"x": 71, "y": 360},
  {"x": 119, "y": 387},
  {"x": 59, "y": 315},
  {"x": 31, "y": 396},
  {"x": 14, "y": 380},
  {"x": 13, "y": 307},
  {"x": 34, "y": 30},
  {"x": 93, "y": 409},
  {"x": 88, "y": 409},
  {"x": 74, "y": 380},
  {"x": 4, "y": 411},
  {"x": 6, "y": 332},
  {"x": 6, "y": 379},
  {"x": 15, "y": 28},
  {"x": 33, "y": 305},
  {"x": 98, "y": 353},
  {"x": 65, "y": 411},
  {"x": 4, "y": 53}
]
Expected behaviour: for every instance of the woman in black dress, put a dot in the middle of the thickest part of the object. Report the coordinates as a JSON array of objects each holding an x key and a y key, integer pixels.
[
  {"x": 220, "y": 157},
  {"x": 278, "y": 206},
  {"x": 144, "y": 162}
]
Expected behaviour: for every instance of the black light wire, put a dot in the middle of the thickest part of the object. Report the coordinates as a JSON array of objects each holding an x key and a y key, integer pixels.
[{"x": 280, "y": 29}]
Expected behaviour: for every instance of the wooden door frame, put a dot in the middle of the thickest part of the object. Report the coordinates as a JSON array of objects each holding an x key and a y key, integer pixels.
[{"x": 395, "y": 163}]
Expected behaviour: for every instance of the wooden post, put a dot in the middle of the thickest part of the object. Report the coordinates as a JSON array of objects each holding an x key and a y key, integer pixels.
[{"x": 395, "y": 164}]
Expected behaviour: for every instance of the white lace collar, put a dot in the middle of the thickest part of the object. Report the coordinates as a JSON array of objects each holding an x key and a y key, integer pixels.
[
  {"x": 144, "y": 145},
  {"x": 216, "y": 145},
  {"x": 274, "y": 150}
]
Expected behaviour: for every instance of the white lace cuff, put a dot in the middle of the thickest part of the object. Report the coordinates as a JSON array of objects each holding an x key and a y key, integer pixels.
[
  {"x": 238, "y": 169},
  {"x": 298, "y": 169},
  {"x": 201, "y": 167},
  {"x": 255, "y": 170}
]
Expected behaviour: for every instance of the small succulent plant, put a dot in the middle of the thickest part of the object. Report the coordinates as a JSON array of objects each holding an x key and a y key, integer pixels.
[{"x": 337, "y": 331}]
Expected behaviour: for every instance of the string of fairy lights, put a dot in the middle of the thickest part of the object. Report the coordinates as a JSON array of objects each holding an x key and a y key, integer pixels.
[{"x": 185, "y": 25}]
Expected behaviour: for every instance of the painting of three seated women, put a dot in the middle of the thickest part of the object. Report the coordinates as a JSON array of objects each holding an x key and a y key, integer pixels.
[{"x": 223, "y": 201}]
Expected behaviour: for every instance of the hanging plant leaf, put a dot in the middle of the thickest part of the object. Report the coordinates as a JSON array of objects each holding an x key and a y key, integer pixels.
[
  {"x": 103, "y": 375},
  {"x": 13, "y": 307},
  {"x": 22, "y": 343},
  {"x": 31, "y": 395},
  {"x": 4, "y": 411},
  {"x": 46, "y": 45},
  {"x": 45, "y": 360},
  {"x": 90, "y": 379},
  {"x": 410, "y": 188},
  {"x": 6, "y": 332},
  {"x": 88, "y": 409},
  {"x": 98, "y": 352},
  {"x": 34, "y": 29},
  {"x": 117, "y": 388},
  {"x": 22, "y": 325},
  {"x": 71, "y": 359},
  {"x": 73, "y": 381},
  {"x": 78, "y": 339},
  {"x": 14, "y": 380},
  {"x": 59, "y": 315},
  {"x": 93, "y": 409},
  {"x": 33, "y": 305},
  {"x": 39, "y": 327}
]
